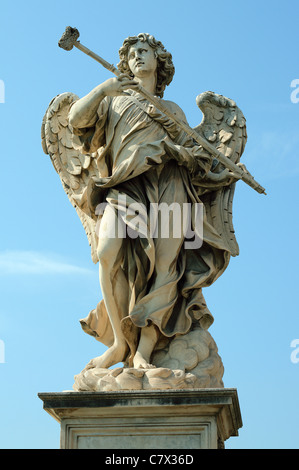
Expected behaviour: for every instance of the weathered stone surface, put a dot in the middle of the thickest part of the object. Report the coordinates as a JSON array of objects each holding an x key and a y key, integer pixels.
[
  {"x": 123, "y": 154},
  {"x": 189, "y": 361},
  {"x": 181, "y": 419}
]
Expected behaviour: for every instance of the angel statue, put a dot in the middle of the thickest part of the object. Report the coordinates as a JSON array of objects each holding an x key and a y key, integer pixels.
[{"x": 115, "y": 152}]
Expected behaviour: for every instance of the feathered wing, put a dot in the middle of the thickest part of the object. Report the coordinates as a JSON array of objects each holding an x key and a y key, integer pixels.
[
  {"x": 223, "y": 125},
  {"x": 74, "y": 168}
]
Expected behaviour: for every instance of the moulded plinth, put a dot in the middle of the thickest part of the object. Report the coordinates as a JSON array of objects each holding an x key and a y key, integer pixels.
[{"x": 154, "y": 419}]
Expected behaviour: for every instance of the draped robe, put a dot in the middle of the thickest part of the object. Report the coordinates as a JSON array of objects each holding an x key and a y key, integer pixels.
[{"x": 147, "y": 159}]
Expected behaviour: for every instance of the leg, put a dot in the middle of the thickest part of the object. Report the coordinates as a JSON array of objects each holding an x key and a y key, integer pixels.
[
  {"x": 147, "y": 342},
  {"x": 165, "y": 271},
  {"x": 114, "y": 288},
  {"x": 168, "y": 244}
]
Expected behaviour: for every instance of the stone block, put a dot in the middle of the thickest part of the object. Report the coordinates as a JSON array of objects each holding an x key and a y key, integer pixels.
[{"x": 141, "y": 419}]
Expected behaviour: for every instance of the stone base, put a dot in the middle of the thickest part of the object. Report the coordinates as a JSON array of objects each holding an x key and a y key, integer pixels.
[
  {"x": 154, "y": 419},
  {"x": 186, "y": 361}
]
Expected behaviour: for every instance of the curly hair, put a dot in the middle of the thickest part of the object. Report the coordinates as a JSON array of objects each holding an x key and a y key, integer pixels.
[{"x": 165, "y": 67}]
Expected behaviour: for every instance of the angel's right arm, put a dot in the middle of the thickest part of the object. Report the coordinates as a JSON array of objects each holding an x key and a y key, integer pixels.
[{"x": 83, "y": 113}]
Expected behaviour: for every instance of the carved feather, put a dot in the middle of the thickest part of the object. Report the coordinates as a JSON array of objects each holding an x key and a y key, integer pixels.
[
  {"x": 224, "y": 125},
  {"x": 74, "y": 168}
]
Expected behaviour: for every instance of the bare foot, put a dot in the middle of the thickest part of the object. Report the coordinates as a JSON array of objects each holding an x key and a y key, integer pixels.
[
  {"x": 139, "y": 362},
  {"x": 148, "y": 339},
  {"x": 113, "y": 355}
]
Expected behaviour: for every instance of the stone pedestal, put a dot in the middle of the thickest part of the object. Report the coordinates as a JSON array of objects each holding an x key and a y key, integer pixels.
[{"x": 154, "y": 419}]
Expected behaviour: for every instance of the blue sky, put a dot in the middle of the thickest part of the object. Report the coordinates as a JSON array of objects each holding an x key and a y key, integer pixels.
[{"x": 245, "y": 51}]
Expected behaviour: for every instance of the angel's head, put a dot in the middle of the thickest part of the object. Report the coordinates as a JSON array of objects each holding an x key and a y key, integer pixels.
[{"x": 153, "y": 56}]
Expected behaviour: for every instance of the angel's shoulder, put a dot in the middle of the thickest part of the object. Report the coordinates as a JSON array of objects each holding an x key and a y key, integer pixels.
[{"x": 175, "y": 109}]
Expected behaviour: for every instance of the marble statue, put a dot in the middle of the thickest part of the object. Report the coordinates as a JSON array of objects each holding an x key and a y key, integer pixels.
[{"x": 120, "y": 161}]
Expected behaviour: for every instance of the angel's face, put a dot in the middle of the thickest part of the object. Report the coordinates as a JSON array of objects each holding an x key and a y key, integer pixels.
[{"x": 142, "y": 59}]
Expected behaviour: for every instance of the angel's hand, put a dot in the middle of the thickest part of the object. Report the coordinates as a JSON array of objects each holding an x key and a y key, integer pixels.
[
  {"x": 226, "y": 177},
  {"x": 116, "y": 86},
  {"x": 84, "y": 111}
]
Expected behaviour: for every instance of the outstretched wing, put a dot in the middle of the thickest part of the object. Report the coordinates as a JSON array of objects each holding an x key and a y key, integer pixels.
[
  {"x": 74, "y": 168},
  {"x": 223, "y": 125}
]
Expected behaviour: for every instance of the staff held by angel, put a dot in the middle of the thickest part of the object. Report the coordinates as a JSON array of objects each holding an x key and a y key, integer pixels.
[{"x": 113, "y": 142}]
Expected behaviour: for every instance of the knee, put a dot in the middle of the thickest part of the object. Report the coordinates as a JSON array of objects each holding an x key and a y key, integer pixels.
[
  {"x": 105, "y": 253},
  {"x": 109, "y": 252}
]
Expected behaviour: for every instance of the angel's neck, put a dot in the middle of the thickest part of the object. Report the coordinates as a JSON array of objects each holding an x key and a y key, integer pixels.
[{"x": 149, "y": 83}]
